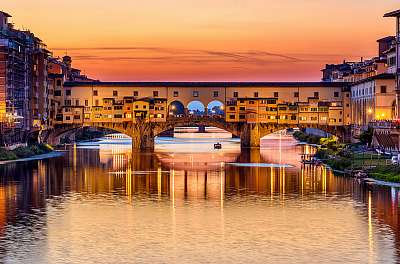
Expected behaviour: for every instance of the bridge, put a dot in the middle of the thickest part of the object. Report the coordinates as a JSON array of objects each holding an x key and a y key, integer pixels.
[{"x": 247, "y": 110}]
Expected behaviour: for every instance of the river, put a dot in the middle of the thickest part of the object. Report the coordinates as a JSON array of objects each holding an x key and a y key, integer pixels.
[{"x": 189, "y": 203}]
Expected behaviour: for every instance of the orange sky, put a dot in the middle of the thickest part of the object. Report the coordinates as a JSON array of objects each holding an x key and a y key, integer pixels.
[{"x": 206, "y": 40}]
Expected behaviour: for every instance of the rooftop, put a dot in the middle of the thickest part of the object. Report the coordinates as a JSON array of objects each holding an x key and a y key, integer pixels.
[
  {"x": 382, "y": 76},
  {"x": 393, "y": 14},
  {"x": 5, "y": 14},
  {"x": 207, "y": 84}
]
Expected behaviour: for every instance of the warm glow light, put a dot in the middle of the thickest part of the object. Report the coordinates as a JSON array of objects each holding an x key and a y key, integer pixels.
[{"x": 369, "y": 111}]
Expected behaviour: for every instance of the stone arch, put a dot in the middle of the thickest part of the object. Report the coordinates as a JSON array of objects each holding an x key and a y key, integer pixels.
[
  {"x": 189, "y": 121},
  {"x": 216, "y": 107},
  {"x": 53, "y": 136},
  {"x": 196, "y": 108},
  {"x": 176, "y": 108}
]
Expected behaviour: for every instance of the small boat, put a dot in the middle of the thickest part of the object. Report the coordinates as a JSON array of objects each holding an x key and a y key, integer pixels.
[{"x": 217, "y": 146}]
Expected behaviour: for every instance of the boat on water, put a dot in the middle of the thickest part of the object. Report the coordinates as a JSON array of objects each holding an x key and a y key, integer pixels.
[{"x": 217, "y": 146}]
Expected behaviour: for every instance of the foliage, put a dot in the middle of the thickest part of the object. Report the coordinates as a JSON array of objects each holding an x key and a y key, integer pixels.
[
  {"x": 24, "y": 152},
  {"x": 366, "y": 136},
  {"x": 7, "y": 155},
  {"x": 389, "y": 173}
]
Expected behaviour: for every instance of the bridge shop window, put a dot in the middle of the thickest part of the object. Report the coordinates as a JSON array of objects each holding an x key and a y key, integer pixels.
[
  {"x": 242, "y": 116},
  {"x": 77, "y": 102},
  {"x": 276, "y": 94},
  {"x": 58, "y": 83},
  {"x": 316, "y": 94},
  {"x": 336, "y": 94},
  {"x": 383, "y": 89},
  {"x": 68, "y": 92},
  {"x": 57, "y": 93},
  {"x": 176, "y": 93},
  {"x": 118, "y": 116},
  {"x": 155, "y": 93},
  {"x": 95, "y": 93},
  {"x": 86, "y": 102},
  {"x": 115, "y": 93},
  {"x": 232, "y": 116},
  {"x": 67, "y": 102},
  {"x": 196, "y": 93},
  {"x": 235, "y": 94},
  {"x": 293, "y": 117},
  {"x": 135, "y": 93},
  {"x": 296, "y": 95},
  {"x": 216, "y": 94},
  {"x": 256, "y": 94}
]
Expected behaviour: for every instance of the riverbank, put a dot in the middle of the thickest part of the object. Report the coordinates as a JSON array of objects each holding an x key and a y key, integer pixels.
[
  {"x": 351, "y": 158},
  {"x": 24, "y": 152}
]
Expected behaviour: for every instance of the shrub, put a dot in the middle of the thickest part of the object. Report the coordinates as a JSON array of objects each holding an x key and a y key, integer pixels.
[
  {"x": 7, "y": 155},
  {"x": 23, "y": 152}
]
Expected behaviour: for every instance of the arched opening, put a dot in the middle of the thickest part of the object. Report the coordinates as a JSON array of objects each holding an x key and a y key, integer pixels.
[
  {"x": 176, "y": 109},
  {"x": 215, "y": 108},
  {"x": 196, "y": 108}
]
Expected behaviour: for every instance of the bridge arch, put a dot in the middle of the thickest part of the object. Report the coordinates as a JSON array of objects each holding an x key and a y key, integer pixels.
[
  {"x": 196, "y": 108},
  {"x": 176, "y": 108},
  {"x": 216, "y": 107}
]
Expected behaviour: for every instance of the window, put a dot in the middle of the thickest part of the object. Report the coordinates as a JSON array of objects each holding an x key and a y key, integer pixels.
[
  {"x": 58, "y": 83},
  {"x": 118, "y": 116},
  {"x": 293, "y": 117},
  {"x": 276, "y": 94},
  {"x": 235, "y": 94},
  {"x": 57, "y": 93},
  {"x": 67, "y": 118},
  {"x": 251, "y": 102},
  {"x": 176, "y": 93},
  {"x": 296, "y": 94},
  {"x": 77, "y": 102},
  {"x": 242, "y": 108},
  {"x": 215, "y": 93},
  {"x": 135, "y": 93},
  {"x": 383, "y": 89},
  {"x": 68, "y": 92},
  {"x": 115, "y": 93},
  {"x": 336, "y": 94},
  {"x": 95, "y": 93},
  {"x": 232, "y": 108},
  {"x": 232, "y": 116},
  {"x": 316, "y": 94},
  {"x": 96, "y": 102},
  {"x": 155, "y": 93},
  {"x": 67, "y": 102},
  {"x": 195, "y": 93},
  {"x": 242, "y": 116},
  {"x": 256, "y": 94}
]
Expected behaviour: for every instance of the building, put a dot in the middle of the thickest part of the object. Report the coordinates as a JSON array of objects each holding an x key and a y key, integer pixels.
[
  {"x": 396, "y": 51},
  {"x": 373, "y": 98},
  {"x": 277, "y": 103},
  {"x": 23, "y": 81}
]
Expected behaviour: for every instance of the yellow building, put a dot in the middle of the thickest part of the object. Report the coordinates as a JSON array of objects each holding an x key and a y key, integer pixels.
[{"x": 372, "y": 99}]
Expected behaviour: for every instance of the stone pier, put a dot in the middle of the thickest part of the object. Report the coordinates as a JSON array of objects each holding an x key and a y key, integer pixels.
[
  {"x": 250, "y": 136},
  {"x": 142, "y": 136}
]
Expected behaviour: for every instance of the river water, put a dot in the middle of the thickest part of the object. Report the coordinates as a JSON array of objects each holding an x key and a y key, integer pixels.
[{"x": 188, "y": 203}]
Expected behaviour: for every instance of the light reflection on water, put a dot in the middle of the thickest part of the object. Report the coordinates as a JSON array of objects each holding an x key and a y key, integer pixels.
[{"x": 183, "y": 203}]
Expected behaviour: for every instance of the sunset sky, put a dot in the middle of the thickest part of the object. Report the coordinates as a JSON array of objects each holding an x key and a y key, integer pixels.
[{"x": 206, "y": 40}]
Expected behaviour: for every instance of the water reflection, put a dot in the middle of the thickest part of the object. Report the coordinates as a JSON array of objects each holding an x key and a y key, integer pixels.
[{"x": 192, "y": 206}]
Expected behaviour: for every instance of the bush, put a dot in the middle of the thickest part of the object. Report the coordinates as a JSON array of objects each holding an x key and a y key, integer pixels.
[
  {"x": 23, "y": 152},
  {"x": 366, "y": 136},
  {"x": 7, "y": 155}
]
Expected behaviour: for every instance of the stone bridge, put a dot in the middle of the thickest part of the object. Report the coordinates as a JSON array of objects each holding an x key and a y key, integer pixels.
[{"x": 143, "y": 133}]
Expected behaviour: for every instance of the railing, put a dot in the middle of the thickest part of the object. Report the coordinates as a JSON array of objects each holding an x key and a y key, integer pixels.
[{"x": 385, "y": 124}]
